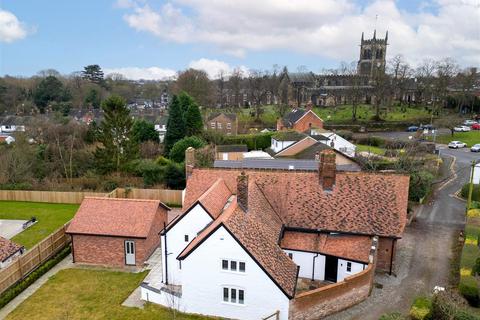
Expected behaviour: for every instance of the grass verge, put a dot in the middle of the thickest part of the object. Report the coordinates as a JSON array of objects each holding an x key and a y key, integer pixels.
[{"x": 50, "y": 216}]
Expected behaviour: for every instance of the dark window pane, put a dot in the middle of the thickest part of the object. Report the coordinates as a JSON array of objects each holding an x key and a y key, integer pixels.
[
  {"x": 241, "y": 297},
  {"x": 233, "y": 295},
  {"x": 241, "y": 266},
  {"x": 225, "y": 264},
  {"x": 290, "y": 255},
  {"x": 233, "y": 265},
  {"x": 349, "y": 266},
  {"x": 225, "y": 294},
  {"x": 186, "y": 238}
]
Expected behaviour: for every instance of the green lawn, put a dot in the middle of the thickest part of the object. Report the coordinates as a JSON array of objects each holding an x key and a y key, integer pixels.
[
  {"x": 470, "y": 138},
  {"x": 90, "y": 294},
  {"x": 371, "y": 149},
  {"x": 365, "y": 113},
  {"x": 50, "y": 216}
]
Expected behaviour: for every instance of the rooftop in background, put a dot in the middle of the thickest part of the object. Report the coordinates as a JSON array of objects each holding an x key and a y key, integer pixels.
[
  {"x": 8, "y": 248},
  {"x": 232, "y": 148},
  {"x": 231, "y": 116},
  {"x": 289, "y": 135},
  {"x": 282, "y": 164}
]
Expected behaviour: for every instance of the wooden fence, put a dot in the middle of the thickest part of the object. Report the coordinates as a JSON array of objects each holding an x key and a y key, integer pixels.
[
  {"x": 164, "y": 195},
  {"x": 33, "y": 258},
  {"x": 47, "y": 196}
]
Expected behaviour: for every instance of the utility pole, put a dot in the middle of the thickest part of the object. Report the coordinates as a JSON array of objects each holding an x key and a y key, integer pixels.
[{"x": 470, "y": 187}]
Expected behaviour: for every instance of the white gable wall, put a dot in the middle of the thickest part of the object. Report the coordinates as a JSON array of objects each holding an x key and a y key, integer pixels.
[
  {"x": 204, "y": 280},
  {"x": 278, "y": 145},
  {"x": 305, "y": 261},
  {"x": 195, "y": 220}
]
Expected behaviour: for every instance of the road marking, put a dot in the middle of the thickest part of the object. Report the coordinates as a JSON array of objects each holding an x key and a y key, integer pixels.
[{"x": 454, "y": 174}]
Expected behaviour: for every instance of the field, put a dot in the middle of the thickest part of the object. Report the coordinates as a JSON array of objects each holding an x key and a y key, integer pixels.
[
  {"x": 470, "y": 138},
  {"x": 90, "y": 294},
  {"x": 50, "y": 217},
  {"x": 375, "y": 150}
]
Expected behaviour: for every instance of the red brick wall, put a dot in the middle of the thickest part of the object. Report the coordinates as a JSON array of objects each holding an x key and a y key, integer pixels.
[
  {"x": 324, "y": 301},
  {"x": 384, "y": 254},
  {"x": 304, "y": 123},
  {"x": 110, "y": 251}
]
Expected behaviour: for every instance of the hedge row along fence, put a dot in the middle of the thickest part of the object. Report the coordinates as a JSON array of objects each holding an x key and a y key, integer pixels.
[{"x": 468, "y": 285}]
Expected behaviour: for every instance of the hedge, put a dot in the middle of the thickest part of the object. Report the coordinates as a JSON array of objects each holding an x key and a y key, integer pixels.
[
  {"x": 253, "y": 141},
  {"x": 392, "y": 316},
  {"x": 15, "y": 290},
  {"x": 421, "y": 309},
  {"x": 475, "y": 193},
  {"x": 468, "y": 285}
]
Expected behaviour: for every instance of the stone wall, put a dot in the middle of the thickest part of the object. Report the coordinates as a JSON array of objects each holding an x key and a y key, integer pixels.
[{"x": 316, "y": 304}]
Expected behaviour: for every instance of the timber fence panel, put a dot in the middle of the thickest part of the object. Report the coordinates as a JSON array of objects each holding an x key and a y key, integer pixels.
[{"x": 47, "y": 196}]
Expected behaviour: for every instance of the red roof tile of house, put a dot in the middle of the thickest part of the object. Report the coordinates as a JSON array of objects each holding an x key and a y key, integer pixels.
[
  {"x": 352, "y": 247},
  {"x": 360, "y": 202},
  {"x": 8, "y": 248},
  {"x": 114, "y": 217}
]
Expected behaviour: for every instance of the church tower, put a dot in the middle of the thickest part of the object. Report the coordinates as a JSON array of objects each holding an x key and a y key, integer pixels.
[{"x": 372, "y": 55}]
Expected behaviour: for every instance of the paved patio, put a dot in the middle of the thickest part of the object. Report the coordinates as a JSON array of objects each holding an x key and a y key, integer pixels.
[{"x": 10, "y": 228}]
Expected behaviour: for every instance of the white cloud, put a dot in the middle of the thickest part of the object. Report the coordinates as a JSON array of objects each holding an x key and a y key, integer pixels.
[
  {"x": 11, "y": 28},
  {"x": 211, "y": 67},
  {"x": 134, "y": 73},
  {"x": 331, "y": 29}
]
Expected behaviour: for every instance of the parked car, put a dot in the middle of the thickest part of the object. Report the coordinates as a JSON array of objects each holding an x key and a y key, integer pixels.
[
  {"x": 427, "y": 126},
  {"x": 461, "y": 129},
  {"x": 412, "y": 129},
  {"x": 456, "y": 144},
  {"x": 475, "y": 148},
  {"x": 469, "y": 122},
  {"x": 476, "y": 126}
]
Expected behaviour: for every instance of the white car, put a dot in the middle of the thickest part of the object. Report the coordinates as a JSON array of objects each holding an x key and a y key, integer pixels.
[
  {"x": 456, "y": 144},
  {"x": 461, "y": 129},
  {"x": 469, "y": 122}
]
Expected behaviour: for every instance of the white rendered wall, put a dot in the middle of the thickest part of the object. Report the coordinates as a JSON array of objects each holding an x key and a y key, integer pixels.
[
  {"x": 278, "y": 146},
  {"x": 305, "y": 261},
  {"x": 190, "y": 225},
  {"x": 203, "y": 280},
  {"x": 342, "y": 269}
]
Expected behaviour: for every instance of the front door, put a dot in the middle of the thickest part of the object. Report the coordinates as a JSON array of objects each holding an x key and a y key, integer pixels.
[
  {"x": 225, "y": 156},
  {"x": 331, "y": 268},
  {"x": 130, "y": 252}
]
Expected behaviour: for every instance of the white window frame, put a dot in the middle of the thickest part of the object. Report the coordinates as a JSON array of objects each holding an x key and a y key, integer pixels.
[
  {"x": 349, "y": 266},
  {"x": 229, "y": 125},
  {"x": 219, "y": 125},
  {"x": 230, "y": 289},
  {"x": 237, "y": 266},
  {"x": 212, "y": 125}
]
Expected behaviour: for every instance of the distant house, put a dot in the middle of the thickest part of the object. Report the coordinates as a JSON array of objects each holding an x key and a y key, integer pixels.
[
  {"x": 161, "y": 128},
  {"x": 6, "y": 139},
  {"x": 116, "y": 232},
  {"x": 9, "y": 250},
  {"x": 11, "y": 124},
  {"x": 336, "y": 142},
  {"x": 225, "y": 123},
  {"x": 300, "y": 120},
  {"x": 230, "y": 152}
]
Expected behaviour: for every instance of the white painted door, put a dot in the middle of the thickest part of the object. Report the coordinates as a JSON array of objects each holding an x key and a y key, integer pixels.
[
  {"x": 130, "y": 252},
  {"x": 225, "y": 156}
]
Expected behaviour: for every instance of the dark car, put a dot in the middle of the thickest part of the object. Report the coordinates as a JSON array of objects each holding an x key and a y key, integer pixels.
[
  {"x": 412, "y": 129},
  {"x": 427, "y": 126}
]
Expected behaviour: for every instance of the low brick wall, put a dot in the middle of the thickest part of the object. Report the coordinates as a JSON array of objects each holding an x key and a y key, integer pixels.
[{"x": 324, "y": 301}]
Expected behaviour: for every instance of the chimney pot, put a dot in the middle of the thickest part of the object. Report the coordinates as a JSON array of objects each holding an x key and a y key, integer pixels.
[
  {"x": 327, "y": 169},
  {"x": 242, "y": 191},
  {"x": 189, "y": 161}
]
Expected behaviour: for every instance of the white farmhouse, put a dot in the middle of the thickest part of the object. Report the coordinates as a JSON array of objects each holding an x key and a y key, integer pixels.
[{"x": 247, "y": 241}]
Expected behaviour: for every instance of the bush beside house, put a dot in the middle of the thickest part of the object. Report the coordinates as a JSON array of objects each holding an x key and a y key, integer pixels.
[
  {"x": 468, "y": 285},
  {"x": 421, "y": 308}
]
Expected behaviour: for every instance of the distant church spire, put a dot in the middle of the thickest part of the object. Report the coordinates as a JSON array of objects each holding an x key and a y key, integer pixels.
[
  {"x": 374, "y": 34},
  {"x": 386, "y": 37},
  {"x": 362, "y": 36}
]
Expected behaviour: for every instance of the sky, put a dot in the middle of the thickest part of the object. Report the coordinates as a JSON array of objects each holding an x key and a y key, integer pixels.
[{"x": 153, "y": 39}]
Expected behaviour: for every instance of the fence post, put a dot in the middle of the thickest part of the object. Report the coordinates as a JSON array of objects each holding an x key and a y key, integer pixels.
[
  {"x": 39, "y": 254},
  {"x": 20, "y": 266}
]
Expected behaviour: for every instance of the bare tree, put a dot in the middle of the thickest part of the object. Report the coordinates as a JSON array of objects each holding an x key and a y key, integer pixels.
[
  {"x": 197, "y": 84},
  {"x": 445, "y": 69},
  {"x": 424, "y": 74},
  {"x": 257, "y": 89},
  {"x": 235, "y": 84},
  {"x": 401, "y": 73},
  {"x": 221, "y": 88}
]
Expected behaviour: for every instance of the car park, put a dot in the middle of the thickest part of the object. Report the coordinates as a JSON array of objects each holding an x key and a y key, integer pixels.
[
  {"x": 461, "y": 129},
  {"x": 456, "y": 144},
  {"x": 475, "y": 148},
  {"x": 476, "y": 126},
  {"x": 469, "y": 122}
]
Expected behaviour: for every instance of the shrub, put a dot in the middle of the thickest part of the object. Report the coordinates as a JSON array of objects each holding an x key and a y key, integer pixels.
[
  {"x": 14, "y": 291},
  {"x": 448, "y": 306},
  {"x": 345, "y": 134},
  {"x": 421, "y": 308},
  {"x": 150, "y": 171},
  {"x": 253, "y": 141},
  {"x": 174, "y": 176},
  {"x": 177, "y": 153},
  {"x": 475, "y": 193},
  {"x": 468, "y": 287},
  {"x": 420, "y": 185},
  {"x": 16, "y": 186},
  {"x": 372, "y": 141},
  {"x": 109, "y": 185},
  {"x": 392, "y": 316}
]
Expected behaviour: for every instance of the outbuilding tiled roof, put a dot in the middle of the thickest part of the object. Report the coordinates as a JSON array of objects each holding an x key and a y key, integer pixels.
[
  {"x": 8, "y": 248},
  {"x": 360, "y": 202},
  {"x": 352, "y": 247},
  {"x": 115, "y": 217},
  {"x": 293, "y": 116},
  {"x": 232, "y": 148}
]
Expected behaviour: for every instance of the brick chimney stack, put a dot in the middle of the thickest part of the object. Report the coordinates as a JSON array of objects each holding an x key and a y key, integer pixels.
[
  {"x": 327, "y": 169},
  {"x": 189, "y": 161},
  {"x": 242, "y": 191}
]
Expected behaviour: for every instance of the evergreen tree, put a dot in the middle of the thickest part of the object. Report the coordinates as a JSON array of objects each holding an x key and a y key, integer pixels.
[
  {"x": 175, "y": 124},
  {"x": 193, "y": 120},
  {"x": 118, "y": 144},
  {"x": 144, "y": 131},
  {"x": 185, "y": 101},
  {"x": 94, "y": 74}
]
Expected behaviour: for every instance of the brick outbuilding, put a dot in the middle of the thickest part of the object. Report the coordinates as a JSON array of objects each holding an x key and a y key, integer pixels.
[{"x": 116, "y": 232}]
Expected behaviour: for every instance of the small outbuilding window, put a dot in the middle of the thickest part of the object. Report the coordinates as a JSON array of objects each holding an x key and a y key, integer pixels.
[
  {"x": 349, "y": 267},
  {"x": 290, "y": 255},
  {"x": 186, "y": 238}
]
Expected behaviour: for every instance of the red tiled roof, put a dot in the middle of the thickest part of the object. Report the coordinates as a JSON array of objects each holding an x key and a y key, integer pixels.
[
  {"x": 353, "y": 247},
  {"x": 114, "y": 217},
  {"x": 8, "y": 248},
  {"x": 215, "y": 197},
  {"x": 360, "y": 202}
]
